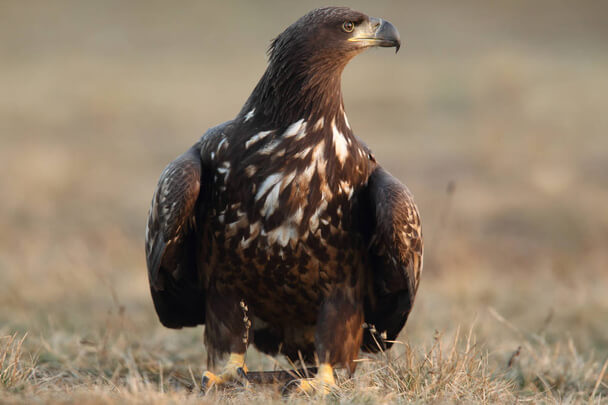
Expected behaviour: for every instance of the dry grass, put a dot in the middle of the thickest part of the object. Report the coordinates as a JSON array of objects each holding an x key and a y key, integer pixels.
[
  {"x": 13, "y": 370},
  {"x": 451, "y": 369},
  {"x": 506, "y": 102}
]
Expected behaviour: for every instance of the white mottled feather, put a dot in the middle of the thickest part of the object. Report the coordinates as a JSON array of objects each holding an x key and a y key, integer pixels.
[
  {"x": 340, "y": 144},
  {"x": 256, "y": 138}
]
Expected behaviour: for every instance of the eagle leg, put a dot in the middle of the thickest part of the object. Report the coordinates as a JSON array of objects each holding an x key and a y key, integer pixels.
[
  {"x": 339, "y": 331},
  {"x": 234, "y": 370},
  {"x": 338, "y": 337},
  {"x": 227, "y": 331}
]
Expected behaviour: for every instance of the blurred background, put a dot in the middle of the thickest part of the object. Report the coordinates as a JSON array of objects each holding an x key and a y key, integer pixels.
[{"x": 493, "y": 114}]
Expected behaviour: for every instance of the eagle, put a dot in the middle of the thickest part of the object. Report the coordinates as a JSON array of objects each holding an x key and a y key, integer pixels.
[{"x": 279, "y": 228}]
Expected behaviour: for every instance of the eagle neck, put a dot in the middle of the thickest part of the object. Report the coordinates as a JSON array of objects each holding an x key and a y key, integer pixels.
[{"x": 284, "y": 96}]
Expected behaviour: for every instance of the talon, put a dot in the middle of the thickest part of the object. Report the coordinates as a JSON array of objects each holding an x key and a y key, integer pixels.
[
  {"x": 209, "y": 380},
  {"x": 242, "y": 373}
]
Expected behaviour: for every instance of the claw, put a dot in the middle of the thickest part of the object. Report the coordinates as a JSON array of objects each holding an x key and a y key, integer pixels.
[
  {"x": 209, "y": 380},
  {"x": 242, "y": 372}
]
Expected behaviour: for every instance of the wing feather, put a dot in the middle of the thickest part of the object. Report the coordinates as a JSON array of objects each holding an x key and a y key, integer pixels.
[
  {"x": 171, "y": 240},
  {"x": 171, "y": 217},
  {"x": 395, "y": 252}
]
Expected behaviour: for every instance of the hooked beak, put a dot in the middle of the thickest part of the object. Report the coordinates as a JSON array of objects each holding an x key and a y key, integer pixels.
[{"x": 377, "y": 32}]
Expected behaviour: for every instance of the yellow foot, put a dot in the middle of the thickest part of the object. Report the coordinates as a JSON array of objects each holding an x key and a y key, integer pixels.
[
  {"x": 235, "y": 371},
  {"x": 322, "y": 383}
]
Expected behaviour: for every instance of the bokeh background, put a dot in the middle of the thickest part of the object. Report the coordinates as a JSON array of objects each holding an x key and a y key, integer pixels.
[{"x": 493, "y": 113}]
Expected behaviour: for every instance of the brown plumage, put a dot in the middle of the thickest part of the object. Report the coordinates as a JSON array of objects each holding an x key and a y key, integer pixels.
[{"x": 279, "y": 228}]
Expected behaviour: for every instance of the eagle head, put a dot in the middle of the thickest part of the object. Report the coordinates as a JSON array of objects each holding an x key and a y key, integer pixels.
[
  {"x": 333, "y": 32},
  {"x": 307, "y": 59}
]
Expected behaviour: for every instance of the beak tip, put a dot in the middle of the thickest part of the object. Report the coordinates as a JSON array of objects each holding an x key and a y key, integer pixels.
[{"x": 389, "y": 35}]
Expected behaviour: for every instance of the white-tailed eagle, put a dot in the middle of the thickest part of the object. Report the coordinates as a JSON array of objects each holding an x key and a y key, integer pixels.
[{"x": 279, "y": 228}]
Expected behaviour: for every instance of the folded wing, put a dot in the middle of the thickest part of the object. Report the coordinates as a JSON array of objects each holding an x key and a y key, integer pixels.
[
  {"x": 395, "y": 252},
  {"x": 171, "y": 243}
]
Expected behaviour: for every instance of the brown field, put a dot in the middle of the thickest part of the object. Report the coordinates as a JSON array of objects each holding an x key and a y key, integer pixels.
[{"x": 506, "y": 101}]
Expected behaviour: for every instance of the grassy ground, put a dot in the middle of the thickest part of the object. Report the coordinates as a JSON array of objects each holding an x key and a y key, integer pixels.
[{"x": 505, "y": 103}]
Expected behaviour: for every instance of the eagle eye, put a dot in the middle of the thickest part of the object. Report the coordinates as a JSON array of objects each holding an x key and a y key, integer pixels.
[{"x": 348, "y": 26}]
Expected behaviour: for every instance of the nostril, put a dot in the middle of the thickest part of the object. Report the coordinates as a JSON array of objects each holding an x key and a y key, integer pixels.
[{"x": 374, "y": 23}]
